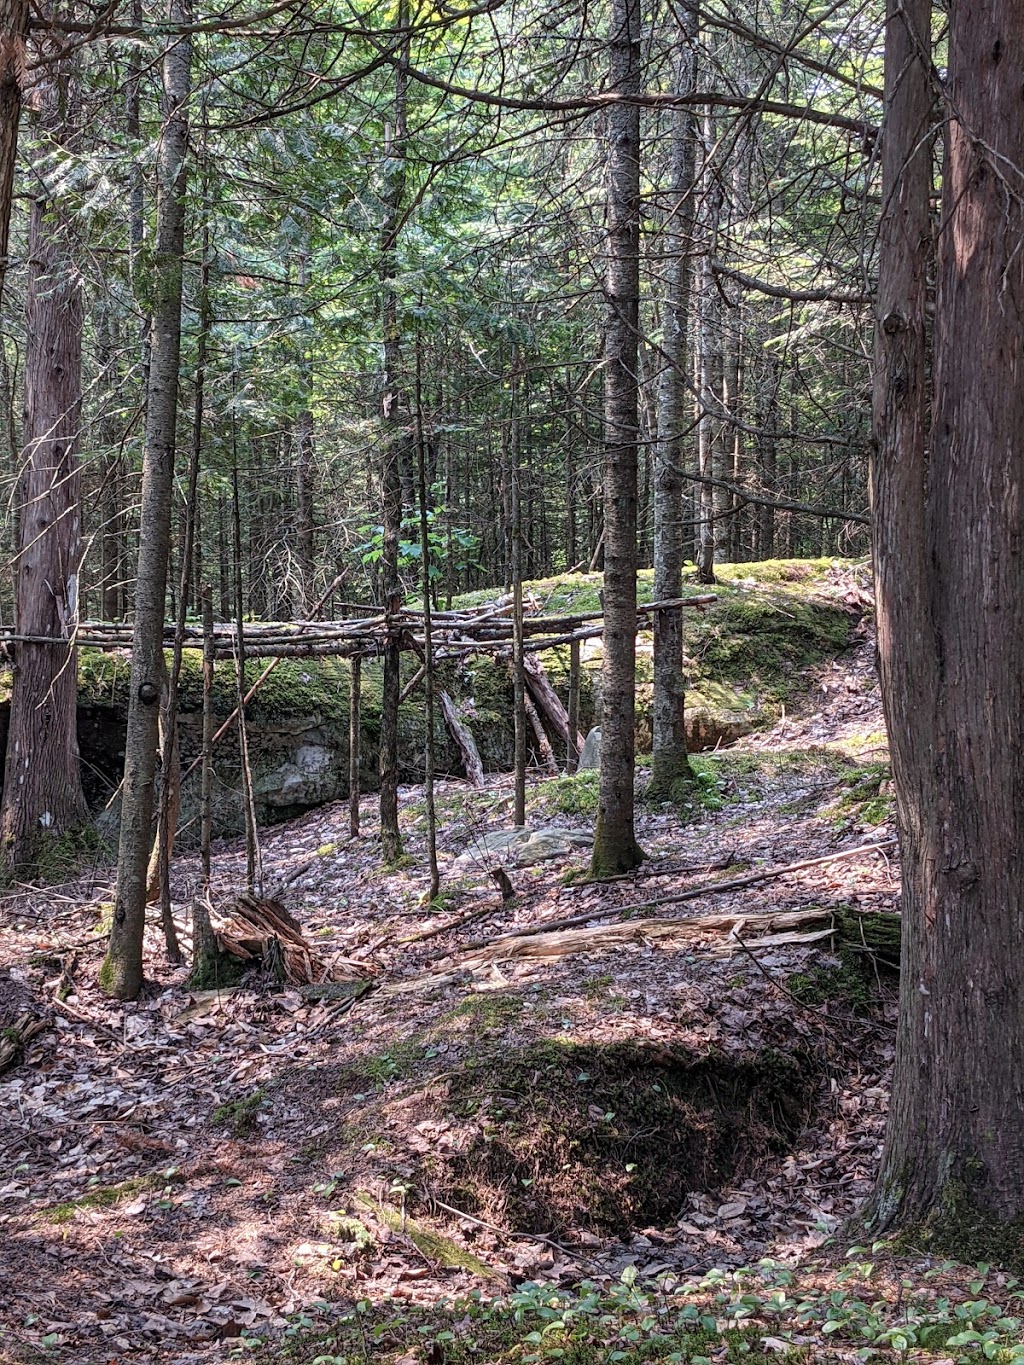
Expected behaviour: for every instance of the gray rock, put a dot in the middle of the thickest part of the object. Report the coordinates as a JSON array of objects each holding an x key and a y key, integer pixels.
[
  {"x": 523, "y": 847},
  {"x": 307, "y": 780},
  {"x": 590, "y": 758}
]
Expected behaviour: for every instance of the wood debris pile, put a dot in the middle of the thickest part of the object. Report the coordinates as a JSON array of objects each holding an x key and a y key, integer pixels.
[{"x": 263, "y": 931}]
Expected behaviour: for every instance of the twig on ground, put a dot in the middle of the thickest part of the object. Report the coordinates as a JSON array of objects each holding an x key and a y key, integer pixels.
[
  {"x": 476, "y": 911},
  {"x": 502, "y": 1232}
]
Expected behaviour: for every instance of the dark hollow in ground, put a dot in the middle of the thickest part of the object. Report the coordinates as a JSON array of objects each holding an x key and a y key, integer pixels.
[{"x": 612, "y": 1138}]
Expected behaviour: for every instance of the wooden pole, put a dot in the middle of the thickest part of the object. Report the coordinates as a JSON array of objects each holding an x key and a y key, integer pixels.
[
  {"x": 428, "y": 633},
  {"x": 206, "y": 787},
  {"x": 518, "y": 671},
  {"x": 253, "y": 872},
  {"x": 204, "y": 944},
  {"x": 355, "y": 685},
  {"x": 572, "y": 757}
]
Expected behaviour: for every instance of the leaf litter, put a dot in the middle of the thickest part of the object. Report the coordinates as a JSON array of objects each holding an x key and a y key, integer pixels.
[{"x": 201, "y": 1166}]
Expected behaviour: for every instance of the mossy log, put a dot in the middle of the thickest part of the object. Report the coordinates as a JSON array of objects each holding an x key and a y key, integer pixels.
[{"x": 875, "y": 933}]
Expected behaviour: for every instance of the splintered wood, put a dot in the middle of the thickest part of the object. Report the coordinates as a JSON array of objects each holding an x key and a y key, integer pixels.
[
  {"x": 756, "y": 931},
  {"x": 263, "y": 931},
  {"x": 719, "y": 936},
  {"x": 16, "y": 1035}
]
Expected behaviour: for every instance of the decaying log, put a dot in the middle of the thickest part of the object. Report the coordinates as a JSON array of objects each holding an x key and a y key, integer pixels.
[
  {"x": 263, "y": 931},
  {"x": 14, "y": 1038},
  {"x": 544, "y": 749},
  {"x": 547, "y": 701},
  {"x": 718, "y": 935},
  {"x": 464, "y": 741}
]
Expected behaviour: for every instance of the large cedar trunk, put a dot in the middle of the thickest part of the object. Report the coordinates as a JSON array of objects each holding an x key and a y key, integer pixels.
[
  {"x": 615, "y": 846},
  {"x": 13, "y": 27},
  {"x": 122, "y": 970},
  {"x": 951, "y": 615},
  {"x": 42, "y": 795}
]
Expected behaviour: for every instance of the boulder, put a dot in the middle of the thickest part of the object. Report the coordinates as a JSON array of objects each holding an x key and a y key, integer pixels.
[
  {"x": 523, "y": 847},
  {"x": 590, "y": 758}
]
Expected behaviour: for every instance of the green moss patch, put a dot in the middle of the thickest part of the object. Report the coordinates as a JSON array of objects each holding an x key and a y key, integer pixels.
[
  {"x": 106, "y": 1196},
  {"x": 239, "y": 1116},
  {"x": 434, "y": 1246},
  {"x": 575, "y": 794},
  {"x": 867, "y": 796},
  {"x": 964, "y": 1230},
  {"x": 765, "y": 643}
]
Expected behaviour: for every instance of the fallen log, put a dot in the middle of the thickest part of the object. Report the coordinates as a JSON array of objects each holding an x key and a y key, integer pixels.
[
  {"x": 464, "y": 741},
  {"x": 717, "y": 935},
  {"x": 692, "y": 893}
]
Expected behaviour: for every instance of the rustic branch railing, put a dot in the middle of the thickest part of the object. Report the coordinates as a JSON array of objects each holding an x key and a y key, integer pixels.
[{"x": 457, "y": 633}]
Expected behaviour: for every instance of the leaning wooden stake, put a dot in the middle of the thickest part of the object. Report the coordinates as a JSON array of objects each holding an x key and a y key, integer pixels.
[
  {"x": 428, "y": 637},
  {"x": 572, "y": 750},
  {"x": 355, "y": 686},
  {"x": 544, "y": 749},
  {"x": 464, "y": 741},
  {"x": 253, "y": 868},
  {"x": 204, "y": 942}
]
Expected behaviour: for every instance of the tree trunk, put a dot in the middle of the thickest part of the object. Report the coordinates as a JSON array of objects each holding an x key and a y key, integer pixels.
[
  {"x": 110, "y": 433},
  {"x": 42, "y": 795},
  {"x": 669, "y": 762},
  {"x": 302, "y": 446},
  {"x": 712, "y": 430},
  {"x": 615, "y": 846},
  {"x": 13, "y": 28},
  {"x": 121, "y": 974},
  {"x": 951, "y": 619},
  {"x": 394, "y": 413}
]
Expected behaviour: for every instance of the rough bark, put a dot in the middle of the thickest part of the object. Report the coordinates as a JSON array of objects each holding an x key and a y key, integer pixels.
[
  {"x": 669, "y": 762},
  {"x": 121, "y": 974},
  {"x": 395, "y": 438},
  {"x": 13, "y": 28},
  {"x": 951, "y": 615},
  {"x": 615, "y": 846},
  {"x": 42, "y": 795}
]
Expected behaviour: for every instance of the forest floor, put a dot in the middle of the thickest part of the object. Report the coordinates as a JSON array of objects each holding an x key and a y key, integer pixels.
[{"x": 603, "y": 1143}]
